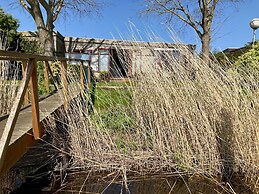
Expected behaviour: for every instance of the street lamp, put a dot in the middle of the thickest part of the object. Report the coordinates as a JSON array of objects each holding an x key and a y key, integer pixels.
[{"x": 254, "y": 24}]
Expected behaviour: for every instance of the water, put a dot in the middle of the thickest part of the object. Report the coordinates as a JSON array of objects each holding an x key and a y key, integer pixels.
[{"x": 157, "y": 184}]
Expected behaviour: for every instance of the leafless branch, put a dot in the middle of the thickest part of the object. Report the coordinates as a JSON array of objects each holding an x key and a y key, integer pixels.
[{"x": 22, "y": 2}]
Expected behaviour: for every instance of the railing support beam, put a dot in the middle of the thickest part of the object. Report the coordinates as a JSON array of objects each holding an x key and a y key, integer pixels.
[
  {"x": 89, "y": 75},
  {"x": 46, "y": 76},
  {"x": 64, "y": 82},
  {"x": 11, "y": 121},
  {"x": 82, "y": 79},
  {"x": 26, "y": 96},
  {"x": 37, "y": 133}
]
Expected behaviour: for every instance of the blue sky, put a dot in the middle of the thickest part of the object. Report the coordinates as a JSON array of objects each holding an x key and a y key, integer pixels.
[{"x": 120, "y": 16}]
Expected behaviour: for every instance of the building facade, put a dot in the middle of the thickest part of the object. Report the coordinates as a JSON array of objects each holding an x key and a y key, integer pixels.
[
  {"x": 119, "y": 58},
  {"x": 122, "y": 58}
]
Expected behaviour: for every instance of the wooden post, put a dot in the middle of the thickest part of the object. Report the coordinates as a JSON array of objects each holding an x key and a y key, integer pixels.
[
  {"x": 99, "y": 60},
  {"x": 89, "y": 75},
  {"x": 82, "y": 78},
  {"x": 37, "y": 133},
  {"x": 46, "y": 76},
  {"x": 109, "y": 64},
  {"x": 131, "y": 63},
  {"x": 64, "y": 82},
  {"x": 11, "y": 121},
  {"x": 26, "y": 97},
  {"x": 51, "y": 74}
]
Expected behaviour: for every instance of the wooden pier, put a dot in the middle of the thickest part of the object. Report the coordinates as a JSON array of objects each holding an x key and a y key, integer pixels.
[{"x": 23, "y": 127}]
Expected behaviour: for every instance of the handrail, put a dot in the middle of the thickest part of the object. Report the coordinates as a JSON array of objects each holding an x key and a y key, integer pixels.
[
  {"x": 29, "y": 68},
  {"x": 6, "y": 55}
]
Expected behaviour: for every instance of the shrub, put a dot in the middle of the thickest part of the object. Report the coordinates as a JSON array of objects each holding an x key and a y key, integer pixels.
[
  {"x": 248, "y": 63},
  {"x": 103, "y": 76}
]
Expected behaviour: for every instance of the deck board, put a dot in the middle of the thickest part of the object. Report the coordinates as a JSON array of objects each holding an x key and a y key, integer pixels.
[
  {"x": 24, "y": 122},
  {"x": 22, "y": 138}
]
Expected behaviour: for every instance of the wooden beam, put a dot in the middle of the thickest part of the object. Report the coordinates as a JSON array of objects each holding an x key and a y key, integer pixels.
[
  {"x": 131, "y": 63},
  {"x": 11, "y": 55},
  {"x": 11, "y": 121},
  {"x": 35, "y": 101},
  {"x": 52, "y": 76},
  {"x": 89, "y": 75},
  {"x": 46, "y": 76},
  {"x": 99, "y": 60},
  {"x": 17, "y": 149},
  {"x": 6, "y": 55},
  {"x": 109, "y": 64},
  {"x": 82, "y": 79},
  {"x": 64, "y": 82},
  {"x": 26, "y": 96}
]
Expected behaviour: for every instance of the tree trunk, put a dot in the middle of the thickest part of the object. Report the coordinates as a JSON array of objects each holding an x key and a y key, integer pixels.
[
  {"x": 46, "y": 41},
  {"x": 45, "y": 29},
  {"x": 205, "y": 40}
]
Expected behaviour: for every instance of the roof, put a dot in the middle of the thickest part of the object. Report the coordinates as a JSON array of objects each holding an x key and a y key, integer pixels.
[{"x": 73, "y": 43}]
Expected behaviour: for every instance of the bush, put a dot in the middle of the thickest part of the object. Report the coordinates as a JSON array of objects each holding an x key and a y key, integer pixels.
[
  {"x": 248, "y": 63},
  {"x": 103, "y": 75}
]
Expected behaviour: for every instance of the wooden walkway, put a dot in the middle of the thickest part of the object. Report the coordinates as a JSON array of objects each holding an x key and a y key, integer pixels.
[
  {"x": 22, "y": 128},
  {"x": 22, "y": 138}
]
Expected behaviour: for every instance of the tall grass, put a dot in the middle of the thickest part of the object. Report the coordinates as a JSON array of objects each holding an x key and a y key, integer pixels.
[
  {"x": 8, "y": 87},
  {"x": 186, "y": 117},
  {"x": 177, "y": 114}
]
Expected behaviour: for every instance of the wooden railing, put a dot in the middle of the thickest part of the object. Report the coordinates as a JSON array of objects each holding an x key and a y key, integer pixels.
[{"x": 30, "y": 80}]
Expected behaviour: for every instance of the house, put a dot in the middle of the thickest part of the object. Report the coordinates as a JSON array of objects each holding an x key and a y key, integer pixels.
[{"x": 119, "y": 58}]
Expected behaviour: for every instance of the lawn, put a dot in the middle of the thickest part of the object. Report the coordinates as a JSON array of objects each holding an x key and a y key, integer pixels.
[{"x": 110, "y": 94}]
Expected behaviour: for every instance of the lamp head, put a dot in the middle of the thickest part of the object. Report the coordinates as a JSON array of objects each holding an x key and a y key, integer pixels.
[{"x": 254, "y": 24}]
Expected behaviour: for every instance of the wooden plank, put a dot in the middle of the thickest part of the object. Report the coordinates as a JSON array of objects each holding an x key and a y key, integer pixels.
[
  {"x": 64, "y": 82},
  {"x": 22, "y": 138},
  {"x": 131, "y": 63},
  {"x": 89, "y": 75},
  {"x": 35, "y": 101},
  {"x": 23, "y": 56},
  {"x": 11, "y": 121},
  {"x": 46, "y": 76},
  {"x": 52, "y": 76},
  {"x": 109, "y": 64},
  {"x": 82, "y": 78},
  {"x": 17, "y": 149},
  {"x": 26, "y": 96},
  {"x": 11, "y": 55}
]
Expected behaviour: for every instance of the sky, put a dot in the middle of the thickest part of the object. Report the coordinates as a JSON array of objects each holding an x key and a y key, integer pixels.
[{"x": 120, "y": 19}]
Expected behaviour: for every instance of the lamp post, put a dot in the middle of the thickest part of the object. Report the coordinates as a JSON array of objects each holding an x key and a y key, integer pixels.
[{"x": 254, "y": 24}]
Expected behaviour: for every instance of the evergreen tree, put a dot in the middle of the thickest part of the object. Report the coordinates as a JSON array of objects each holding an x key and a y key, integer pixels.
[{"x": 8, "y": 29}]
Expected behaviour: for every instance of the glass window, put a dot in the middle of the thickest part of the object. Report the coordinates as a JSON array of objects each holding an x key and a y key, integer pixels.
[
  {"x": 94, "y": 62},
  {"x": 104, "y": 62}
]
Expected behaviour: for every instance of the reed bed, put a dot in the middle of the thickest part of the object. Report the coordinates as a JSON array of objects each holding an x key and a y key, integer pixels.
[
  {"x": 8, "y": 91},
  {"x": 187, "y": 117},
  {"x": 177, "y": 115},
  {"x": 8, "y": 81}
]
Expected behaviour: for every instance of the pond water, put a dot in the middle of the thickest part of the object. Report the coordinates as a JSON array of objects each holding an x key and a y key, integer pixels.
[{"x": 156, "y": 184}]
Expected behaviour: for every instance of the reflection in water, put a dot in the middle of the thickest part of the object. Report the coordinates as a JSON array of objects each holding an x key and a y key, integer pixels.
[{"x": 153, "y": 185}]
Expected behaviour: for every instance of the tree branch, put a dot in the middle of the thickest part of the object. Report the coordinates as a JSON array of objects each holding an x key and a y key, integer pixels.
[
  {"x": 45, "y": 5},
  {"x": 26, "y": 6},
  {"x": 179, "y": 7},
  {"x": 214, "y": 3},
  {"x": 59, "y": 6}
]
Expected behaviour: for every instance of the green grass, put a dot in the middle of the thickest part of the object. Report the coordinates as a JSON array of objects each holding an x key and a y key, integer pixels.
[
  {"x": 112, "y": 107},
  {"x": 107, "y": 98},
  {"x": 114, "y": 83}
]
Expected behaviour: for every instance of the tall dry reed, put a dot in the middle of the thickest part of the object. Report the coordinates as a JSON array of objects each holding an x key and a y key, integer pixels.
[
  {"x": 186, "y": 116},
  {"x": 8, "y": 80}
]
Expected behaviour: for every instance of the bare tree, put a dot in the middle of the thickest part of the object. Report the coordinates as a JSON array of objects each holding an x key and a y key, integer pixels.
[
  {"x": 198, "y": 14},
  {"x": 46, "y": 12}
]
